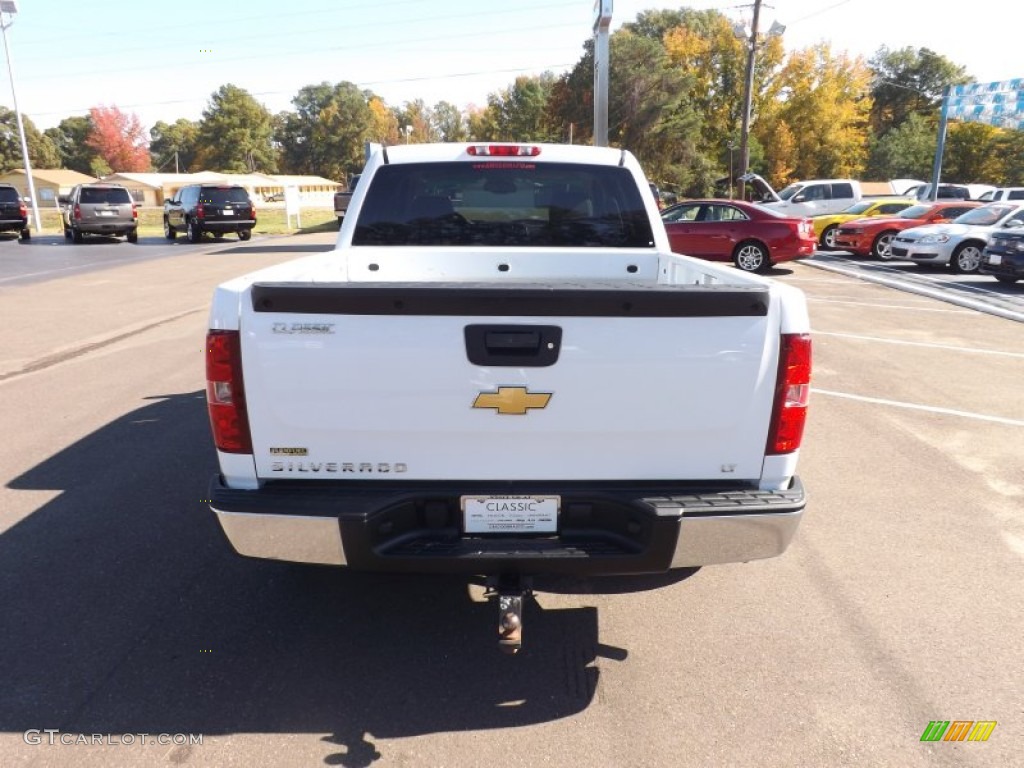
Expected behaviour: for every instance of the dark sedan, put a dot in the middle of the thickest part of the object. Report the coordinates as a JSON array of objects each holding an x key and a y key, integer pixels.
[
  {"x": 1003, "y": 257},
  {"x": 751, "y": 237}
]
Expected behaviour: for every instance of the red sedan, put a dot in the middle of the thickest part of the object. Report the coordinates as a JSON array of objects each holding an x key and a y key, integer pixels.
[
  {"x": 873, "y": 236},
  {"x": 752, "y": 237}
]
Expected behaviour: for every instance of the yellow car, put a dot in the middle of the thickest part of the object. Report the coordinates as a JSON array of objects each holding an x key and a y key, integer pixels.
[{"x": 826, "y": 225}]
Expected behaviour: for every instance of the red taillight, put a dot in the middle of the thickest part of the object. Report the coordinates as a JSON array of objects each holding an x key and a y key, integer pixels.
[
  {"x": 200, "y": 213},
  {"x": 23, "y": 211},
  {"x": 135, "y": 212},
  {"x": 78, "y": 211},
  {"x": 225, "y": 395},
  {"x": 502, "y": 150},
  {"x": 791, "y": 394}
]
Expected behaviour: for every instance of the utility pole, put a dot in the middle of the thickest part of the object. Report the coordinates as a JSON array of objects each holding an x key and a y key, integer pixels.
[
  {"x": 602, "y": 23},
  {"x": 748, "y": 88}
]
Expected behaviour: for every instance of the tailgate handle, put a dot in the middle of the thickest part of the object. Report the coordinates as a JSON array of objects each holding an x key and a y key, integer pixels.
[
  {"x": 522, "y": 346},
  {"x": 496, "y": 341}
]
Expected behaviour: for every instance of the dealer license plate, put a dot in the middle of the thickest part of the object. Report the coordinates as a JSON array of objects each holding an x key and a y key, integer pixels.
[
  {"x": 510, "y": 514},
  {"x": 228, "y": 212},
  {"x": 995, "y": 258}
]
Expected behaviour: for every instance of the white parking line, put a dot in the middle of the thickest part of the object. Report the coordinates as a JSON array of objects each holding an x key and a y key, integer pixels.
[
  {"x": 919, "y": 407},
  {"x": 927, "y": 344},
  {"x": 878, "y": 305}
]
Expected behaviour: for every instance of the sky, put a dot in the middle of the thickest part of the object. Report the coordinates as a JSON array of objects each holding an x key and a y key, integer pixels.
[{"x": 162, "y": 60}]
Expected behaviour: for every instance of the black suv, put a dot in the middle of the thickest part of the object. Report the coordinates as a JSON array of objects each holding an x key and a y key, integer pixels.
[
  {"x": 13, "y": 214},
  {"x": 213, "y": 208}
]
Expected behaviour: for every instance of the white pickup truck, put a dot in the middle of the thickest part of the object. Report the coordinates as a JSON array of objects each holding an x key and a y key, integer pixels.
[{"x": 502, "y": 370}]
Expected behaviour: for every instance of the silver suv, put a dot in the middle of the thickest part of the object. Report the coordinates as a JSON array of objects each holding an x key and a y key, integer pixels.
[{"x": 99, "y": 209}]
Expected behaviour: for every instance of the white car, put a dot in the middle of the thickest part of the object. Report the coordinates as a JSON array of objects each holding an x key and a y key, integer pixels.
[{"x": 959, "y": 243}]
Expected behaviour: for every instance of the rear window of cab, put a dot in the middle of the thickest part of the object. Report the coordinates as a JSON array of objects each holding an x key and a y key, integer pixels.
[
  {"x": 104, "y": 196},
  {"x": 503, "y": 203}
]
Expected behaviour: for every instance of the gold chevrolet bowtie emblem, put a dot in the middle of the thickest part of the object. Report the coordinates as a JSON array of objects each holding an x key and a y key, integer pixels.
[{"x": 515, "y": 400}]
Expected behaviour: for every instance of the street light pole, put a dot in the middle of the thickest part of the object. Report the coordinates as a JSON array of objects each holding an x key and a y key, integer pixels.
[
  {"x": 748, "y": 88},
  {"x": 10, "y": 7},
  {"x": 732, "y": 148}
]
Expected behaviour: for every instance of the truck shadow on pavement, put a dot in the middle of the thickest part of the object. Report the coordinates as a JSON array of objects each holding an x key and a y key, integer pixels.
[{"x": 125, "y": 611}]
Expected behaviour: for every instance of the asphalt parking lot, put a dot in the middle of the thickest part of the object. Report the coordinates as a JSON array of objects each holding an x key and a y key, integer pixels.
[{"x": 127, "y": 613}]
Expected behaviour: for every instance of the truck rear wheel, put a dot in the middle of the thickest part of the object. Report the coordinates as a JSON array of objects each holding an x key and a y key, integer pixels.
[
  {"x": 244, "y": 234},
  {"x": 193, "y": 232}
]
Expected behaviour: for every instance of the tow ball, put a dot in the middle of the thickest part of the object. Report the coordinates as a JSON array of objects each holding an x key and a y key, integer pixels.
[{"x": 510, "y": 592}]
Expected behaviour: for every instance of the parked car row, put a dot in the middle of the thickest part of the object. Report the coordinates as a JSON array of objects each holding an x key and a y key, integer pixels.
[
  {"x": 108, "y": 210},
  {"x": 967, "y": 237},
  {"x": 873, "y": 237}
]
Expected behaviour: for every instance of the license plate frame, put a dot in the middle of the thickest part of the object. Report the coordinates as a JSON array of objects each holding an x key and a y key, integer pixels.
[{"x": 510, "y": 513}]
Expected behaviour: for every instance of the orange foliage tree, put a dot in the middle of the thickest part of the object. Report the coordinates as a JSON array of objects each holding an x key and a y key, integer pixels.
[{"x": 119, "y": 139}]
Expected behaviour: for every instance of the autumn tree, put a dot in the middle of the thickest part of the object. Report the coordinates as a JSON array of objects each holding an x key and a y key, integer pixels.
[
  {"x": 569, "y": 114},
  {"x": 383, "y": 122},
  {"x": 42, "y": 152},
  {"x": 174, "y": 145},
  {"x": 416, "y": 122},
  {"x": 119, "y": 140},
  {"x": 235, "y": 134},
  {"x": 822, "y": 103},
  {"x": 69, "y": 136}
]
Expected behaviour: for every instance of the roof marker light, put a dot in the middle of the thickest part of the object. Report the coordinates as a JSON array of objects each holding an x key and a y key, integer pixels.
[{"x": 503, "y": 150}]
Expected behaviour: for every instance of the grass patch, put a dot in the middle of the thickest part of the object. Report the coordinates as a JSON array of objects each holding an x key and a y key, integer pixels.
[{"x": 269, "y": 221}]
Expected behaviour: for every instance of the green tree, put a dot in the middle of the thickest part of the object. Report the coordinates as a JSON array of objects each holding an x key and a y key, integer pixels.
[
  {"x": 42, "y": 152},
  {"x": 971, "y": 154},
  {"x": 656, "y": 23},
  {"x": 173, "y": 146},
  {"x": 236, "y": 133},
  {"x": 1011, "y": 150},
  {"x": 905, "y": 152},
  {"x": 449, "y": 123},
  {"x": 908, "y": 81},
  {"x": 69, "y": 137},
  {"x": 519, "y": 112}
]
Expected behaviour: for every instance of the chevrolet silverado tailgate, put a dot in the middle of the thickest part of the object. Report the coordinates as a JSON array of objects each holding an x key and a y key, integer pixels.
[{"x": 528, "y": 382}]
